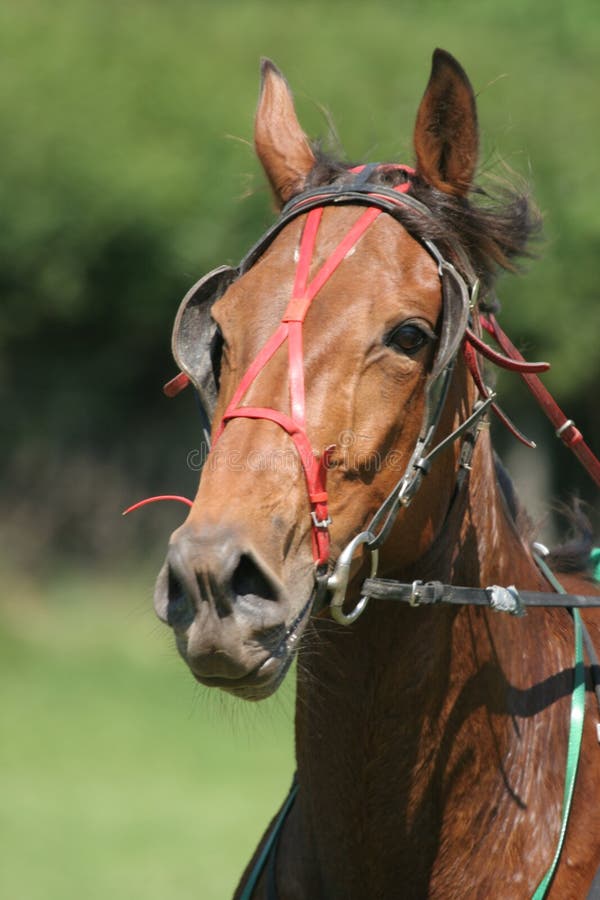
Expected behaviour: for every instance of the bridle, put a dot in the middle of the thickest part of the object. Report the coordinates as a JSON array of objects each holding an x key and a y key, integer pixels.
[
  {"x": 460, "y": 323},
  {"x": 458, "y": 299}
]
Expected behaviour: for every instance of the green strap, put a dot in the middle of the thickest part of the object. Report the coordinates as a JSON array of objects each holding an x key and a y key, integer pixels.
[
  {"x": 595, "y": 560},
  {"x": 268, "y": 844},
  {"x": 575, "y": 733}
]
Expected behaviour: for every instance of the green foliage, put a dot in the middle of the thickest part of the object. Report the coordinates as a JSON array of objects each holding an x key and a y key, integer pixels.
[{"x": 127, "y": 172}]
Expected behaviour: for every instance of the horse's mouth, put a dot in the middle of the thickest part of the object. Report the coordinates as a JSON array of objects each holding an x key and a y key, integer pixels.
[
  {"x": 264, "y": 679},
  {"x": 257, "y": 685}
]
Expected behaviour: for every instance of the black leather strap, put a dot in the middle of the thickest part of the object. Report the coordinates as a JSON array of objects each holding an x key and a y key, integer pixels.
[{"x": 434, "y": 592}]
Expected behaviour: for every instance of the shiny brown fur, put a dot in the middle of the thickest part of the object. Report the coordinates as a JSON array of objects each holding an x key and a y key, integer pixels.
[{"x": 430, "y": 743}]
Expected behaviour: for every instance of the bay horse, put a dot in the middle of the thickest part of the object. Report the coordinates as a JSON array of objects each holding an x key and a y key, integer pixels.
[{"x": 340, "y": 366}]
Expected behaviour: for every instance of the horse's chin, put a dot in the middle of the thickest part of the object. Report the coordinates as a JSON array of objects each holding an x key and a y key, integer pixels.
[{"x": 258, "y": 685}]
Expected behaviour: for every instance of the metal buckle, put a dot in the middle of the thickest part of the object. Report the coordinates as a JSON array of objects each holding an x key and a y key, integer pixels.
[
  {"x": 338, "y": 580},
  {"x": 320, "y": 523},
  {"x": 505, "y": 599}
]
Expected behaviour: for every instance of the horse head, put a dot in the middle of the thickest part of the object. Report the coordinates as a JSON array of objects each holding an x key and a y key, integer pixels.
[{"x": 327, "y": 360}]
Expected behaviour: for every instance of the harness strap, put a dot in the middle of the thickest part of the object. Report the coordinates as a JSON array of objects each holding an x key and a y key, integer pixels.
[
  {"x": 573, "y": 752},
  {"x": 575, "y": 732},
  {"x": 434, "y": 592}
]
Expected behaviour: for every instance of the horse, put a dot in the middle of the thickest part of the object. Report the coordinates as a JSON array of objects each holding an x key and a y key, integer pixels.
[{"x": 341, "y": 366}]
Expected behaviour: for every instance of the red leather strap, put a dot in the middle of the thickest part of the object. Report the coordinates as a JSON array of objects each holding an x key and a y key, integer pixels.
[
  {"x": 176, "y": 385},
  {"x": 473, "y": 366},
  {"x": 307, "y": 249},
  {"x": 315, "y": 470},
  {"x": 263, "y": 357},
  {"x": 565, "y": 427},
  {"x": 505, "y": 362},
  {"x": 569, "y": 434},
  {"x": 296, "y": 361},
  {"x": 148, "y": 500}
]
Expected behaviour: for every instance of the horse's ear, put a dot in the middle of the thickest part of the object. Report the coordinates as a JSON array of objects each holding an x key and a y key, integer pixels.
[
  {"x": 281, "y": 145},
  {"x": 446, "y": 137}
]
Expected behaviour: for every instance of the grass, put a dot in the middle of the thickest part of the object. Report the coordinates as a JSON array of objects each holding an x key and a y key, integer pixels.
[{"x": 118, "y": 775}]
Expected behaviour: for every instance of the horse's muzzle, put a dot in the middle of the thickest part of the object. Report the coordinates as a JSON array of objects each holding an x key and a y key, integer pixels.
[{"x": 228, "y": 611}]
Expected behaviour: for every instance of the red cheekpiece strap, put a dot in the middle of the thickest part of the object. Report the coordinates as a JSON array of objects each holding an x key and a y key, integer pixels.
[{"x": 296, "y": 360}]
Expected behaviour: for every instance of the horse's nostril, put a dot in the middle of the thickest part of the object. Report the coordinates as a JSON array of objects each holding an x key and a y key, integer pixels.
[
  {"x": 249, "y": 579},
  {"x": 180, "y": 606}
]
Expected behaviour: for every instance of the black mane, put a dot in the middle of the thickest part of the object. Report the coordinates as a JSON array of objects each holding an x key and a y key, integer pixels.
[{"x": 493, "y": 232}]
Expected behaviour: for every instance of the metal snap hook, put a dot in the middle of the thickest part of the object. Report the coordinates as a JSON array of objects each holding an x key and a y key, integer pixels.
[{"x": 337, "y": 583}]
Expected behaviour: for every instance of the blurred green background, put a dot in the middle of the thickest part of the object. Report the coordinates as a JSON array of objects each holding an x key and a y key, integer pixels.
[{"x": 127, "y": 171}]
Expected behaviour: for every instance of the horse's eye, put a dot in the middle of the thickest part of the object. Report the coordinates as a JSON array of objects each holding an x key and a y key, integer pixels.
[{"x": 407, "y": 338}]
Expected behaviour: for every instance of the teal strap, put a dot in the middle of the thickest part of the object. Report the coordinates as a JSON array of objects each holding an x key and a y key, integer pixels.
[
  {"x": 575, "y": 733},
  {"x": 595, "y": 560},
  {"x": 268, "y": 844}
]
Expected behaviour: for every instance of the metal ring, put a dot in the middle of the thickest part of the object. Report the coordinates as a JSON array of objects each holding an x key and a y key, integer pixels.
[{"x": 338, "y": 580}]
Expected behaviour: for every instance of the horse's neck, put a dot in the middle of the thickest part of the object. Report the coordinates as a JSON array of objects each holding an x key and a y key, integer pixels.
[{"x": 395, "y": 707}]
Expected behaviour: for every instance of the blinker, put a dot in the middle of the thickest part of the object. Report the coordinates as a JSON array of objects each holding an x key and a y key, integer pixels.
[{"x": 194, "y": 333}]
